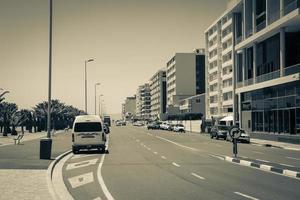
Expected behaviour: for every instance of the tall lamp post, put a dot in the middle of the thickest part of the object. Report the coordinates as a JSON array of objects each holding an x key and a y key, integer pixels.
[
  {"x": 101, "y": 95},
  {"x": 85, "y": 81},
  {"x": 46, "y": 144},
  {"x": 96, "y": 97}
]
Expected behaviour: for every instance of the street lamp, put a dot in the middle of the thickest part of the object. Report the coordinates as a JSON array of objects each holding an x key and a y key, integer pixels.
[
  {"x": 101, "y": 95},
  {"x": 96, "y": 96},
  {"x": 46, "y": 144},
  {"x": 85, "y": 74}
]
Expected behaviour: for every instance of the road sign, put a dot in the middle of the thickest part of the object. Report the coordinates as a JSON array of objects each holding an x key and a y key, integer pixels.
[{"x": 235, "y": 132}]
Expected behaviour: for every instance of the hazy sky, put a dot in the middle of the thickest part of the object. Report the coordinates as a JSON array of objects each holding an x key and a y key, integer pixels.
[{"x": 129, "y": 40}]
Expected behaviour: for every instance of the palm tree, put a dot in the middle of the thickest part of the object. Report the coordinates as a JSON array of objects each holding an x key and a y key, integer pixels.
[{"x": 8, "y": 112}]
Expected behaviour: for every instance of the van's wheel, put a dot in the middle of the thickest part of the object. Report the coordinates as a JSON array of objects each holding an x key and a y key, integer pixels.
[{"x": 74, "y": 150}]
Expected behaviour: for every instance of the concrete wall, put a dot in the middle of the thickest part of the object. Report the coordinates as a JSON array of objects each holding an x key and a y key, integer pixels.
[{"x": 192, "y": 126}]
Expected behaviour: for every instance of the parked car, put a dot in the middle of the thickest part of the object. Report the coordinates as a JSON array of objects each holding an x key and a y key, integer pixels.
[
  {"x": 138, "y": 124},
  {"x": 153, "y": 125},
  {"x": 171, "y": 127},
  {"x": 219, "y": 131},
  {"x": 245, "y": 137},
  {"x": 106, "y": 128},
  {"x": 179, "y": 128}
]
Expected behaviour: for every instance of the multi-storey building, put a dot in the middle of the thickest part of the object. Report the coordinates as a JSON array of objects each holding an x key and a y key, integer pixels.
[
  {"x": 129, "y": 108},
  {"x": 219, "y": 65},
  {"x": 143, "y": 101},
  {"x": 185, "y": 78},
  {"x": 267, "y": 51},
  {"x": 158, "y": 94},
  {"x": 193, "y": 105}
]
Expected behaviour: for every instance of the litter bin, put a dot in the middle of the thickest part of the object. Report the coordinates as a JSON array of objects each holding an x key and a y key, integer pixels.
[{"x": 45, "y": 148}]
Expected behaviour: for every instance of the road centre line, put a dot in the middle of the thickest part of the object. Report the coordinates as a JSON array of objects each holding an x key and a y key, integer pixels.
[
  {"x": 286, "y": 165},
  {"x": 293, "y": 158},
  {"x": 197, "y": 176},
  {"x": 245, "y": 195},
  {"x": 175, "y": 164},
  {"x": 98, "y": 198},
  {"x": 263, "y": 160},
  {"x": 180, "y": 145},
  {"x": 163, "y": 157},
  {"x": 155, "y": 152}
]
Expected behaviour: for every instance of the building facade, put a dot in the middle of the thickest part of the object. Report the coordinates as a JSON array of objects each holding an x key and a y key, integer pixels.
[
  {"x": 267, "y": 53},
  {"x": 143, "y": 102},
  {"x": 185, "y": 78},
  {"x": 194, "y": 104},
  {"x": 129, "y": 108},
  {"x": 158, "y": 92},
  {"x": 220, "y": 65}
]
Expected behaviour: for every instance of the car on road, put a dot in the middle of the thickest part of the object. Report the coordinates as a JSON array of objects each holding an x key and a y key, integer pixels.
[
  {"x": 219, "y": 131},
  {"x": 153, "y": 125},
  {"x": 179, "y": 128},
  {"x": 88, "y": 133},
  {"x": 165, "y": 126},
  {"x": 138, "y": 123},
  {"x": 245, "y": 137},
  {"x": 106, "y": 128}
]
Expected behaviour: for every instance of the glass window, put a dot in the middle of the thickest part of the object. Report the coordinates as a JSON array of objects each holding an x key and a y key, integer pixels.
[{"x": 87, "y": 127}]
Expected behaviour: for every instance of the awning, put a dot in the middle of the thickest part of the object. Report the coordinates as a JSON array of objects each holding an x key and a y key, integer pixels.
[{"x": 226, "y": 119}]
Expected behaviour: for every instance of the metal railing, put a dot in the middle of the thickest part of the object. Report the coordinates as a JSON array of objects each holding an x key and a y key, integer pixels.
[
  {"x": 291, "y": 70},
  {"x": 290, "y": 7},
  {"x": 268, "y": 76},
  {"x": 261, "y": 26}
]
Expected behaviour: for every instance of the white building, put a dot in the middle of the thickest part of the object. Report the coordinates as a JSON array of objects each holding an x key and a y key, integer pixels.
[
  {"x": 158, "y": 94},
  {"x": 194, "y": 104},
  {"x": 129, "y": 108},
  {"x": 183, "y": 72},
  {"x": 219, "y": 65},
  {"x": 143, "y": 101}
]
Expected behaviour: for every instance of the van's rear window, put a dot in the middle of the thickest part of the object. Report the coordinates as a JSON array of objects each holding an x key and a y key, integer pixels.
[{"x": 87, "y": 127}]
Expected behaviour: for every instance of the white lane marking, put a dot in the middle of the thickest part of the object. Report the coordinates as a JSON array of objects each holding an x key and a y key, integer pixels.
[
  {"x": 98, "y": 198},
  {"x": 58, "y": 182},
  {"x": 258, "y": 152},
  {"x": 175, "y": 164},
  {"x": 293, "y": 158},
  {"x": 286, "y": 165},
  {"x": 163, "y": 157},
  {"x": 81, "y": 180},
  {"x": 245, "y": 195},
  {"x": 180, "y": 145},
  {"x": 259, "y": 145},
  {"x": 198, "y": 176},
  {"x": 149, "y": 149},
  {"x": 81, "y": 156},
  {"x": 137, "y": 140},
  {"x": 100, "y": 178},
  {"x": 84, "y": 163},
  {"x": 155, "y": 152},
  {"x": 216, "y": 156},
  {"x": 262, "y": 160}
]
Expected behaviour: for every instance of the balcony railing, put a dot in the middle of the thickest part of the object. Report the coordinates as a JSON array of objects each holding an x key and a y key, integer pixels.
[
  {"x": 268, "y": 76},
  {"x": 290, "y": 7},
  {"x": 261, "y": 26},
  {"x": 291, "y": 70}
]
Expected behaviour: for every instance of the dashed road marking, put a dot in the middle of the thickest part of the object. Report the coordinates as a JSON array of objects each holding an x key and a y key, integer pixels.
[
  {"x": 293, "y": 158},
  {"x": 84, "y": 163},
  {"x": 246, "y": 196},
  {"x": 163, "y": 157},
  {"x": 217, "y": 156},
  {"x": 149, "y": 149},
  {"x": 155, "y": 152},
  {"x": 98, "y": 198},
  {"x": 197, "y": 176},
  {"x": 180, "y": 145},
  {"x": 81, "y": 180},
  {"x": 175, "y": 164}
]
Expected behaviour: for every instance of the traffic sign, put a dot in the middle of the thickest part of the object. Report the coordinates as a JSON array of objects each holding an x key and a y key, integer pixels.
[{"x": 235, "y": 132}]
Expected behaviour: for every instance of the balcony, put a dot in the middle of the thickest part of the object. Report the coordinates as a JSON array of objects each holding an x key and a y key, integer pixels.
[
  {"x": 291, "y": 70},
  {"x": 267, "y": 77},
  {"x": 290, "y": 7}
]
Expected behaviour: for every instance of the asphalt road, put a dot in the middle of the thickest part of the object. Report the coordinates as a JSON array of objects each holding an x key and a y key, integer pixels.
[{"x": 154, "y": 164}]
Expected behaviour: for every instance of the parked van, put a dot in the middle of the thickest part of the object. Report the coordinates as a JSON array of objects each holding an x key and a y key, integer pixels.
[{"x": 88, "y": 133}]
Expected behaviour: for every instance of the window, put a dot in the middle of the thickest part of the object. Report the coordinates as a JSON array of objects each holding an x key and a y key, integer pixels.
[
  {"x": 87, "y": 127},
  {"x": 227, "y": 96}
]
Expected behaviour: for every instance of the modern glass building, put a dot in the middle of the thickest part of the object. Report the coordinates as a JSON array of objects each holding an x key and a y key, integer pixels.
[{"x": 267, "y": 70}]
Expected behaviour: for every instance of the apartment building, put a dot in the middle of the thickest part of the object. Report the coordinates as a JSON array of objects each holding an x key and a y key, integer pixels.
[
  {"x": 158, "y": 92},
  {"x": 143, "y": 102},
  {"x": 193, "y": 104},
  {"x": 185, "y": 78},
  {"x": 129, "y": 108},
  {"x": 267, "y": 70},
  {"x": 219, "y": 65}
]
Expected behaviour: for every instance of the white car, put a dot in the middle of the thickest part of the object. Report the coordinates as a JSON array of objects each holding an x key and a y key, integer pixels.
[
  {"x": 179, "y": 128},
  {"x": 88, "y": 133}
]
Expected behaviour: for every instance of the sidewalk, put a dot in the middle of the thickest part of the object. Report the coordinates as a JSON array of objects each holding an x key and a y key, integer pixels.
[
  {"x": 282, "y": 145},
  {"x": 9, "y": 140},
  {"x": 23, "y": 174}
]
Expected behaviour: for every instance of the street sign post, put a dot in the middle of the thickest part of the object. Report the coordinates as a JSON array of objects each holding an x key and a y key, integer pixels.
[{"x": 235, "y": 133}]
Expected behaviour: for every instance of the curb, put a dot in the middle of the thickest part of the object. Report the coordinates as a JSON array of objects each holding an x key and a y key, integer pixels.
[
  {"x": 269, "y": 168},
  {"x": 275, "y": 146},
  {"x": 50, "y": 173}
]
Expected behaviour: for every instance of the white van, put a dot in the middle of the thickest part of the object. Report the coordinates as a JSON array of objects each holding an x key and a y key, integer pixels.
[{"x": 88, "y": 133}]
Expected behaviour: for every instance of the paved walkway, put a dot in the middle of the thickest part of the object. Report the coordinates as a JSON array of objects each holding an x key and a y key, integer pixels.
[
  {"x": 9, "y": 140},
  {"x": 283, "y": 145}
]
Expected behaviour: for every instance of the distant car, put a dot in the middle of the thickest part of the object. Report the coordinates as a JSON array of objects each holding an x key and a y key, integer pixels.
[
  {"x": 219, "y": 131},
  {"x": 153, "y": 125},
  {"x": 245, "y": 137},
  {"x": 106, "y": 128},
  {"x": 165, "y": 126},
  {"x": 179, "y": 128},
  {"x": 138, "y": 123}
]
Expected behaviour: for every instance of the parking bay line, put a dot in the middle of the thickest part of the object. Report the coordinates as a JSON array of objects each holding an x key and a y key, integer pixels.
[{"x": 245, "y": 195}]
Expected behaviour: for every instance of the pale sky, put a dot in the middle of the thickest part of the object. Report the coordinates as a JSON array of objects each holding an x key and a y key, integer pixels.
[{"x": 129, "y": 40}]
